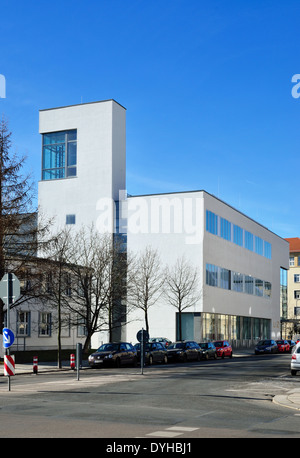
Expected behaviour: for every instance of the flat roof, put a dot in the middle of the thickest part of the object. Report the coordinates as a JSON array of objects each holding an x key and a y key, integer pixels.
[
  {"x": 217, "y": 198},
  {"x": 85, "y": 103}
]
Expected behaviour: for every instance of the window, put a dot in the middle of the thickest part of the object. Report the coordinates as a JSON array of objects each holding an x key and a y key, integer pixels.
[
  {"x": 224, "y": 278},
  {"x": 211, "y": 275},
  {"x": 68, "y": 290},
  {"x": 248, "y": 240},
  {"x": 297, "y": 278},
  {"x": 81, "y": 327},
  {"x": 211, "y": 222},
  {"x": 267, "y": 289},
  {"x": 23, "y": 324},
  {"x": 259, "y": 287},
  {"x": 296, "y": 294},
  {"x": 237, "y": 282},
  {"x": 238, "y": 235},
  {"x": 268, "y": 250},
  {"x": 259, "y": 247},
  {"x": 45, "y": 324},
  {"x": 225, "y": 229},
  {"x": 59, "y": 156},
  {"x": 70, "y": 219},
  {"x": 249, "y": 284}
]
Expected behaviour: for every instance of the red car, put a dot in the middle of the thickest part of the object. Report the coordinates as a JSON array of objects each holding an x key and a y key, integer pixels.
[
  {"x": 283, "y": 346},
  {"x": 223, "y": 348}
]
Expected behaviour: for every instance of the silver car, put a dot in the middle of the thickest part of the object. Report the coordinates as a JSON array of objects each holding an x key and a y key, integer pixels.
[{"x": 295, "y": 361}]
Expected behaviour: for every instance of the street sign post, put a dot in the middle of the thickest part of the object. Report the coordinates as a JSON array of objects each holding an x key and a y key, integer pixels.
[
  {"x": 143, "y": 337},
  {"x": 9, "y": 292}
]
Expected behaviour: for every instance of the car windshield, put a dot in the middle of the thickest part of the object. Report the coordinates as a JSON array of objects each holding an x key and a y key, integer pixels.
[
  {"x": 176, "y": 345},
  {"x": 138, "y": 346},
  {"x": 109, "y": 347},
  {"x": 280, "y": 341},
  {"x": 218, "y": 344},
  {"x": 204, "y": 346},
  {"x": 264, "y": 342}
]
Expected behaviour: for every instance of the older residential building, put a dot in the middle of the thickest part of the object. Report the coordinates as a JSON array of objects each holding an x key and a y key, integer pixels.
[{"x": 291, "y": 313}]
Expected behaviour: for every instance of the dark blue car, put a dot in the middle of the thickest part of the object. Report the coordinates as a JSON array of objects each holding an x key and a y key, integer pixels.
[{"x": 266, "y": 346}]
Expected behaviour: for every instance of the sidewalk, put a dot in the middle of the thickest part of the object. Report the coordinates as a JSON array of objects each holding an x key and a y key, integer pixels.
[{"x": 27, "y": 368}]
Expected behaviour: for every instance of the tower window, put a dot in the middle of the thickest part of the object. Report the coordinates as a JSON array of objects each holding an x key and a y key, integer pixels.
[{"x": 59, "y": 158}]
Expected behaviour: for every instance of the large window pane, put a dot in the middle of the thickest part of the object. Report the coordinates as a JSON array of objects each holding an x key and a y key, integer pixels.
[
  {"x": 54, "y": 137},
  {"x": 238, "y": 235},
  {"x": 59, "y": 155},
  {"x": 211, "y": 222},
  {"x": 72, "y": 148},
  {"x": 225, "y": 229},
  {"x": 259, "y": 248},
  {"x": 248, "y": 240}
]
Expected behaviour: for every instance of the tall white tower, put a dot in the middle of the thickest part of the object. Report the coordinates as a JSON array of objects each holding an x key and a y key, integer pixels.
[{"x": 83, "y": 162}]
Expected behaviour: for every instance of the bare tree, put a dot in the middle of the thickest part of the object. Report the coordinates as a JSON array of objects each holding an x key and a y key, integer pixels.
[
  {"x": 98, "y": 269},
  {"x": 145, "y": 284},
  {"x": 56, "y": 291},
  {"x": 181, "y": 287}
]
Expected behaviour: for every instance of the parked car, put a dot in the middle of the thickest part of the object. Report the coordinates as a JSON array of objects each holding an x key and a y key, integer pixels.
[
  {"x": 292, "y": 344},
  {"x": 283, "y": 346},
  {"x": 186, "y": 350},
  {"x": 114, "y": 354},
  {"x": 208, "y": 350},
  {"x": 266, "y": 346},
  {"x": 295, "y": 361},
  {"x": 162, "y": 340},
  {"x": 223, "y": 348},
  {"x": 155, "y": 352}
]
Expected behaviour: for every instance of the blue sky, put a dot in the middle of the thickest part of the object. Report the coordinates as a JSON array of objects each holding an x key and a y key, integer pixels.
[{"x": 206, "y": 84}]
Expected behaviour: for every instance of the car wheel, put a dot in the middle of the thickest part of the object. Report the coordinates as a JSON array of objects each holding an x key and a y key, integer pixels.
[
  {"x": 134, "y": 362},
  {"x": 165, "y": 360},
  {"x": 215, "y": 355},
  {"x": 184, "y": 359},
  {"x": 293, "y": 372},
  {"x": 118, "y": 362},
  {"x": 206, "y": 356},
  {"x": 230, "y": 356},
  {"x": 150, "y": 360},
  {"x": 223, "y": 355}
]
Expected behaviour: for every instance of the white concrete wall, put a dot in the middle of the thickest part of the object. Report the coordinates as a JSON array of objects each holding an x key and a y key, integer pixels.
[
  {"x": 101, "y": 157},
  {"x": 173, "y": 225}
]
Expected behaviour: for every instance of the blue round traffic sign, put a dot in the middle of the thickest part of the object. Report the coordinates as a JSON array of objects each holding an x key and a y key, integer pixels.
[{"x": 8, "y": 337}]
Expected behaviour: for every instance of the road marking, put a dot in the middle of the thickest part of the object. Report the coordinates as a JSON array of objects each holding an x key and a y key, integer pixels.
[
  {"x": 164, "y": 434},
  {"x": 181, "y": 428},
  {"x": 173, "y": 431}
]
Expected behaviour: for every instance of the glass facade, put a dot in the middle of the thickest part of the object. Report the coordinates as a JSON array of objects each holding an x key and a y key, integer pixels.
[
  {"x": 237, "y": 281},
  {"x": 223, "y": 228},
  {"x": 234, "y": 328},
  {"x": 59, "y": 158}
]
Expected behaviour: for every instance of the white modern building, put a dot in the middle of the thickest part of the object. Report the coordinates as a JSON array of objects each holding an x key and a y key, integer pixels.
[
  {"x": 240, "y": 266},
  {"x": 240, "y": 262}
]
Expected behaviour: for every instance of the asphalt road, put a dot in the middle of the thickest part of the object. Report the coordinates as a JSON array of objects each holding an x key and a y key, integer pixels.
[{"x": 229, "y": 398}]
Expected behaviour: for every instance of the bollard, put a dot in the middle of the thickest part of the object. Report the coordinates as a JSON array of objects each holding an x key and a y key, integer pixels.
[
  {"x": 72, "y": 361},
  {"x": 35, "y": 364}
]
